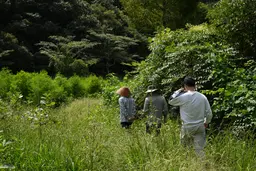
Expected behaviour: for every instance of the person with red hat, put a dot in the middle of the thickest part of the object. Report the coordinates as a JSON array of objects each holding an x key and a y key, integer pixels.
[{"x": 127, "y": 107}]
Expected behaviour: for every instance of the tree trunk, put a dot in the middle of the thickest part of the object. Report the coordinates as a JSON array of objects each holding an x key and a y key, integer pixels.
[
  {"x": 164, "y": 10},
  {"x": 13, "y": 5}
]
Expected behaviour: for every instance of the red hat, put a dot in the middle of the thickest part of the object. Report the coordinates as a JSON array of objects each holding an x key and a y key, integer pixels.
[{"x": 124, "y": 91}]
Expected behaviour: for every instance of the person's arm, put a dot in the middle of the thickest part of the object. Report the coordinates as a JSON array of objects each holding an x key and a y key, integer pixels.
[
  {"x": 176, "y": 99},
  {"x": 165, "y": 112},
  {"x": 133, "y": 108},
  {"x": 146, "y": 106},
  {"x": 133, "y": 116},
  {"x": 208, "y": 113}
]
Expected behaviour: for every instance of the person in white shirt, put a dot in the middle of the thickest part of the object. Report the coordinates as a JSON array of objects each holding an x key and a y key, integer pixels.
[{"x": 195, "y": 113}]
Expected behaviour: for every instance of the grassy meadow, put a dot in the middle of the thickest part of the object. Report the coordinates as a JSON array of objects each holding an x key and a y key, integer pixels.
[{"x": 86, "y": 135}]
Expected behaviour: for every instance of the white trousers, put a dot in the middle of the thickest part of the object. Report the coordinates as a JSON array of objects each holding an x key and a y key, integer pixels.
[{"x": 194, "y": 136}]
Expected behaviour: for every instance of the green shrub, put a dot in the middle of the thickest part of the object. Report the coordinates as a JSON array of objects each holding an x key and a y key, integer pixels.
[
  {"x": 32, "y": 87},
  {"x": 58, "y": 95},
  {"x": 21, "y": 84},
  {"x": 76, "y": 87},
  {"x": 61, "y": 92},
  {"x": 40, "y": 85},
  {"x": 93, "y": 85},
  {"x": 5, "y": 82},
  {"x": 111, "y": 85},
  {"x": 234, "y": 91}
]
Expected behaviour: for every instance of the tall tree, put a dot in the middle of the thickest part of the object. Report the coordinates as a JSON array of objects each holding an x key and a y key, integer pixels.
[
  {"x": 235, "y": 20},
  {"x": 148, "y": 15},
  {"x": 95, "y": 22}
]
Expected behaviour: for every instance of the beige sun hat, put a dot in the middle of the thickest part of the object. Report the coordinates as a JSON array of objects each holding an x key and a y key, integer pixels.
[{"x": 151, "y": 89}]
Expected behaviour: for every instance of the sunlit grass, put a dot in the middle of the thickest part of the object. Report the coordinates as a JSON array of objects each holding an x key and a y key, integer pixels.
[{"x": 86, "y": 135}]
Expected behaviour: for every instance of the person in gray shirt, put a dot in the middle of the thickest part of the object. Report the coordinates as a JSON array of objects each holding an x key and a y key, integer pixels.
[{"x": 156, "y": 109}]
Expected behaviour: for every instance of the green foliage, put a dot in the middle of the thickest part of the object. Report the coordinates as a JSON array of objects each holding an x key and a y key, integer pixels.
[
  {"x": 5, "y": 82},
  {"x": 11, "y": 107},
  {"x": 93, "y": 85},
  {"x": 14, "y": 54},
  {"x": 76, "y": 86},
  {"x": 148, "y": 16},
  {"x": 21, "y": 84},
  {"x": 39, "y": 115},
  {"x": 234, "y": 92},
  {"x": 235, "y": 20},
  {"x": 142, "y": 17},
  {"x": 65, "y": 55},
  {"x": 30, "y": 88},
  {"x": 111, "y": 85},
  {"x": 113, "y": 52},
  {"x": 39, "y": 85},
  {"x": 5, "y": 146}
]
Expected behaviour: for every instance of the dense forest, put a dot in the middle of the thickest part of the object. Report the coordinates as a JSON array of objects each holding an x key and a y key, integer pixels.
[
  {"x": 70, "y": 37},
  {"x": 62, "y": 61},
  {"x": 86, "y": 36}
]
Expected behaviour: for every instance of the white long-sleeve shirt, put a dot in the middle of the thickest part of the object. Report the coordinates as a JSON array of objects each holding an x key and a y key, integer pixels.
[{"x": 194, "y": 107}]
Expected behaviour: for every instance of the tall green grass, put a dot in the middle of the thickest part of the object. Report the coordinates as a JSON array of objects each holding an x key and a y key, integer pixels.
[{"x": 86, "y": 135}]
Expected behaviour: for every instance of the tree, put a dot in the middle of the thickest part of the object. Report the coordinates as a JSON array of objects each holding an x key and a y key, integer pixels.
[
  {"x": 30, "y": 22},
  {"x": 13, "y": 54},
  {"x": 66, "y": 55},
  {"x": 113, "y": 52},
  {"x": 33, "y": 21},
  {"x": 147, "y": 16},
  {"x": 235, "y": 20}
]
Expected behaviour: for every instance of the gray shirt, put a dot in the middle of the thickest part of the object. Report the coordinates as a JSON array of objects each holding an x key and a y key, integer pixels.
[
  {"x": 127, "y": 108},
  {"x": 155, "y": 107}
]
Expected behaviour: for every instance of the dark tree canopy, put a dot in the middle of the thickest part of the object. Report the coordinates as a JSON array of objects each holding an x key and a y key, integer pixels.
[{"x": 93, "y": 30}]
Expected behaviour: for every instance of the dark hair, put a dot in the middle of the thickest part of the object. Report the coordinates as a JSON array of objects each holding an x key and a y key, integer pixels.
[{"x": 189, "y": 81}]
